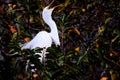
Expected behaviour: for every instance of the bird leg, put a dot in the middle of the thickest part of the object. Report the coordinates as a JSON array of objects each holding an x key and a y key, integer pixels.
[{"x": 43, "y": 55}]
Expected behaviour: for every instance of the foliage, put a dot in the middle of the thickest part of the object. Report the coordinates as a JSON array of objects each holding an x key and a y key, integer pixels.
[{"x": 89, "y": 33}]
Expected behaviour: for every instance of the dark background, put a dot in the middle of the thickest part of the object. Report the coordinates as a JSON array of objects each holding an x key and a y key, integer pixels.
[{"x": 89, "y": 32}]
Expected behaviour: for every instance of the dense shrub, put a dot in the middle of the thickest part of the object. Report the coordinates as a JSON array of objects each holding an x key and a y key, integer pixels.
[{"x": 89, "y": 33}]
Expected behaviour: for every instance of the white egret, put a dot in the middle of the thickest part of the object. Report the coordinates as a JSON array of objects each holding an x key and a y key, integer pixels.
[{"x": 44, "y": 39}]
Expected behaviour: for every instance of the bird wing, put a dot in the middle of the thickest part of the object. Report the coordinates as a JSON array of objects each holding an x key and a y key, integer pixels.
[{"x": 41, "y": 40}]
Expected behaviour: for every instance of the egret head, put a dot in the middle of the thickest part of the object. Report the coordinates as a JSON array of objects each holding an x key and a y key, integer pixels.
[
  {"x": 47, "y": 12},
  {"x": 48, "y": 9}
]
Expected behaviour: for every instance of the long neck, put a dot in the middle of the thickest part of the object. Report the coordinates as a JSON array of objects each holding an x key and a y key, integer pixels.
[
  {"x": 54, "y": 32},
  {"x": 53, "y": 27}
]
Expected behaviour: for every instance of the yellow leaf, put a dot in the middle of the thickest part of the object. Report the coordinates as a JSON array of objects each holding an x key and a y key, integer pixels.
[
  {"x": 31, "y": 19},
  {"x": 113, "y": 75},
  {"x": 83, "y": 10},
  {"x": 14, "y": 5},
  {"x": 66, "y": 2},
  {"x": 10, "y": 5},
  {"x": 101, "y": 29},
  {"x": 113, "y": 40},
  {"x": 77, "y": 49}
]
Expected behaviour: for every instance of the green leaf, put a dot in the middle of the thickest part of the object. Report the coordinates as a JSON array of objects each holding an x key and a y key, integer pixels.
[
  {"x": 14, "y": 36},
  {"x": 63, "y": 18},
  {"x": 107, "y": 20},
  {"x": 19, "y": 16},
  {"x": 113, "y": 40}
]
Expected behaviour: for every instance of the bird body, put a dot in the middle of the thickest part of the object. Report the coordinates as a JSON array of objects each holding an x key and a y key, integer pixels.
[
  {"x": 43, "y": 38},
  {"x": 39, "y": 41}
]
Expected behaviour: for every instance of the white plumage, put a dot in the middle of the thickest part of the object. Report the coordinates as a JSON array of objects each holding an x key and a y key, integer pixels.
[
  {"x": 41, "y": 40},
  {"x": 44, "y": 39}
]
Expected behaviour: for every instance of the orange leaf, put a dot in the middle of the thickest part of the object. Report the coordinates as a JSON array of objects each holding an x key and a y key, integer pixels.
[
  {"x": 77, "y": 31},
  {"x": 74, "y": 30},
  {"x": 113, "y": 53},
  {"x": 62, "y": 37},
  {"x": 77, "y": 48},
  {"x": 20, "y": 76},
  {"x": 12, "y": 29},
  {"x": 71, "y": 12},
  {"x": 97, "y": 45},
  {"x": 27, "y": 39},
  {"x": 104, "y": 78},
  {"x": 69, "y": 31},
  {"x": 35, "y": 75},
  {"x": 105, "y": 13},
  {"x": 1, "y": 8}
]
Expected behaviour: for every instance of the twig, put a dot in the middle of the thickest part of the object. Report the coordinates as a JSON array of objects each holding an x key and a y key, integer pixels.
[{"x": 111, "y": 61}]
